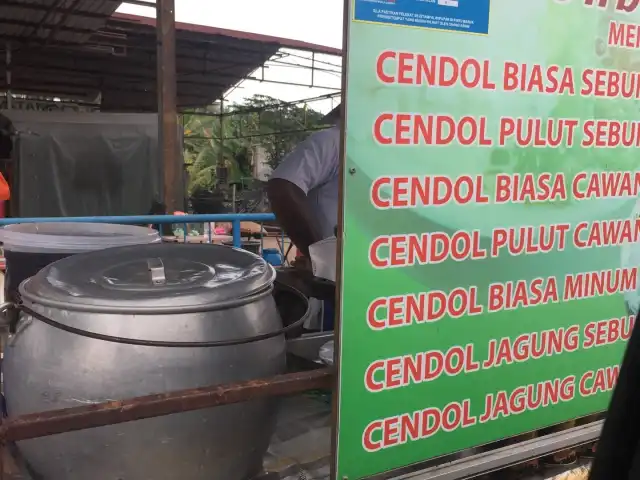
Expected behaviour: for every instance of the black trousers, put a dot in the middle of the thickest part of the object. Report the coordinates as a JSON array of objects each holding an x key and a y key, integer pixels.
[{"x": 618, "y": 453}]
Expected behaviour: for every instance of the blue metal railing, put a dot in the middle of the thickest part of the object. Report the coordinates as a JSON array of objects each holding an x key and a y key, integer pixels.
[{"x": 234, "y": 218}]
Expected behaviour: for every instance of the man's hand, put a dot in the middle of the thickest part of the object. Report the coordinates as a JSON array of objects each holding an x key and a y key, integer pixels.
[{"x": 302, "y": 263}]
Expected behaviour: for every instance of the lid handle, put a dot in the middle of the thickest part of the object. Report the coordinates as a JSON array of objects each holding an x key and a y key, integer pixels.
[{"x": 156, "y": 268}]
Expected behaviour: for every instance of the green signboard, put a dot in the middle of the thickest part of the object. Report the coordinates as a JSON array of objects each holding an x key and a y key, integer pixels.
[{"x": 489, "y": 267}]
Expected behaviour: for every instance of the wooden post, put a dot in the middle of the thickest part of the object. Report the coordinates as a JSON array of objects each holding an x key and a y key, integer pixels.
[{"x": 167, "y": 109}]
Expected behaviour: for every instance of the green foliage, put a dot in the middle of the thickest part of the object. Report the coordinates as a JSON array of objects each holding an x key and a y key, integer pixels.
[
  {"x": 271, "y": 123},
  {"x": 261, "y": 121}
]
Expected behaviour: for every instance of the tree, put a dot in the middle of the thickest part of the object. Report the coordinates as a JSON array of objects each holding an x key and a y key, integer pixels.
[
  {"x": 281, "y": 125},
  {"x": 261, "y": 121},
  {"x": 204, "y": 151}
]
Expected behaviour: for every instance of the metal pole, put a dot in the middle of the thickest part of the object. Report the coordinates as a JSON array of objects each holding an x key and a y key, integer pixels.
[
  {"x": 498, "y": 459},
  {"x": 237, "y": 233},
  {"x": 145, "y": 219},
  {"x": 233, "y": 208},
  {"x": 167, "y": 109},
  {"x": 8, "y": 70},
  {"x": 221, "y": 151},
  {"x": 52, "y": 422}
]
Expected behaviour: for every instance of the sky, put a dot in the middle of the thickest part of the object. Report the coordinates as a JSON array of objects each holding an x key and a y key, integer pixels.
[{"x": 314, "y": 22}]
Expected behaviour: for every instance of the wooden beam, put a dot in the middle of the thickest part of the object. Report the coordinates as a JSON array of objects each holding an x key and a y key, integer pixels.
[{"x": 167, "y": 109}]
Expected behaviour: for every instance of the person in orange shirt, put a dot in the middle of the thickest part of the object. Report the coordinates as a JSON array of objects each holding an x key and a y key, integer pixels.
[
  {"x": 5, "y": 191},
  {"x": 5, "y": 194}
]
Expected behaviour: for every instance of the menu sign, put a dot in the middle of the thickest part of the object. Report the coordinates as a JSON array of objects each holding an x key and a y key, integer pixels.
[{"x": 490, "y": 256}]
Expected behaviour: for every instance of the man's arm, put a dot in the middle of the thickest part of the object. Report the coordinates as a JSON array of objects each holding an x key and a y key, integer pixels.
[
  {"x": 291, "y": 208},
  {"x": 312, "y": 163}
]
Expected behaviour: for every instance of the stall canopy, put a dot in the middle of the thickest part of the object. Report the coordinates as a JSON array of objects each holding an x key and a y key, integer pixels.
[
  {"x": 50, "y": 22},
  {"x": 90, "y": 53}
]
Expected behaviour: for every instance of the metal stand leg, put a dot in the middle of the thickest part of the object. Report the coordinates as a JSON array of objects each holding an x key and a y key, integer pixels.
[{"x": 488, "y": 462}]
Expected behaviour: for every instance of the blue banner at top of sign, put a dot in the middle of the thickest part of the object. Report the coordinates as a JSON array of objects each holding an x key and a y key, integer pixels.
[{"x": 471, "y": 16}]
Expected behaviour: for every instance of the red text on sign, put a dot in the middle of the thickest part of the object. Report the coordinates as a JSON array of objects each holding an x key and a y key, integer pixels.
[
  {"x": 522, "y": 294},
  {"x": 600, "y": 381},
  {"x": 426, "y": 307},
  {"x": 592, "y": 185},
  {"x": 624, "y": 35},
  {"x": 528, "y": 398},
  {"x": 408, "y": 427},
  {"x": 436, "y": 190},
  {"x": 607, "y": 332},
  {"x": 419, "y": 368},
  {"x": 438, "y": 130},
  {"x": 404, "y": 250},
  {"x": 610, "y": 134},
  {"x": 597, "y": 284},
  {"x": 626, "y": 6},
  {"x": 407, "y": 68},
  {"x": 537, "y": 132},
  {"x": 532, "y": 346},
  {"x": 605, "y": 233},
  {"x": 536, "y": 78},
  {"x": 530, "y": 188},
  {"x": 529, "y": 239},
  {"x": 610, "y": 84}
]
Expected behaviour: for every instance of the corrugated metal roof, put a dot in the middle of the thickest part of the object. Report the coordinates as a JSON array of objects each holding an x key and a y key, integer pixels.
[
  {"x": 208, "y": 31},
  {"x": 119, "y": 62},
  {"x": 51, "y": 21}
]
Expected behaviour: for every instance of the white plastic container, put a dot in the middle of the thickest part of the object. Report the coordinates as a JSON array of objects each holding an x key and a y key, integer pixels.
[
  {"x": 71, "y": 238},
  {"x": 29, "y": 247},
  {"x": 323, "y": 258}
]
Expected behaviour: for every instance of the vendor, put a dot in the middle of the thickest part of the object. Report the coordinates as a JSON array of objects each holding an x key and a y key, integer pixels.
[
  {"x": 618, "y": 452},
  {"x": 303, "y": 193},
  {"x": 303, "y": 190}
]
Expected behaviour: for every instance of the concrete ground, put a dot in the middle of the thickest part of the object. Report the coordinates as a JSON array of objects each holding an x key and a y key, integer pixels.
[{"x": 579, "y": 472}]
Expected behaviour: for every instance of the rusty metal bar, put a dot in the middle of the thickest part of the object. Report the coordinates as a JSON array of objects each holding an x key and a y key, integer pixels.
[
  {"x": 167, "y": 108},
  {"x": 109, "y": 413}
]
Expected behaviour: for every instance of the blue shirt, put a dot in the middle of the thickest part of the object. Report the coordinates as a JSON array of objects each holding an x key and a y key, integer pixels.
[{"x": 313, "y": 166}]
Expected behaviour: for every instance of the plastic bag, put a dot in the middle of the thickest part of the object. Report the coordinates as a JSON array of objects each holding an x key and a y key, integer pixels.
[
  {"x": 326, "y": 353},
  {"x": 323, "y": 258},
  {"x": 314, "y": 322}
]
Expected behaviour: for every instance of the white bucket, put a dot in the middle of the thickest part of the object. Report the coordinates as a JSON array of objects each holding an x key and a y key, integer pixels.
[{"x": 71, "y": 237}]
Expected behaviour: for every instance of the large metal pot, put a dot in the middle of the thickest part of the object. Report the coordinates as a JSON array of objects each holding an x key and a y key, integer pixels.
[{"x": 168, "y": 292}]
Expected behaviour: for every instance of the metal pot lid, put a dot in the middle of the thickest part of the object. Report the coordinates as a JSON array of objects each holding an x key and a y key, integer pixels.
[{"x": 160, "y": 278}]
